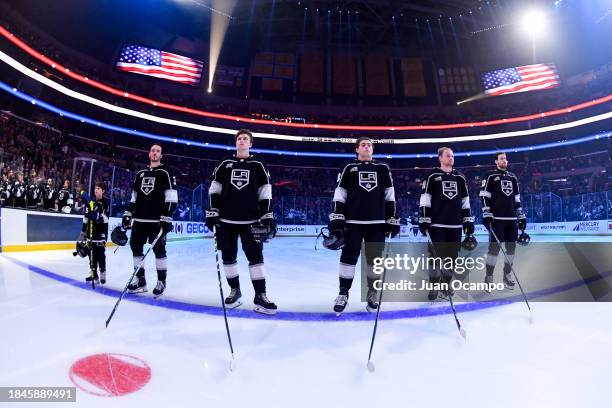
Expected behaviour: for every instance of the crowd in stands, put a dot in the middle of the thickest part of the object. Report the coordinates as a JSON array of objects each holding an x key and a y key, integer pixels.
[{"x": 39, "y": 170}]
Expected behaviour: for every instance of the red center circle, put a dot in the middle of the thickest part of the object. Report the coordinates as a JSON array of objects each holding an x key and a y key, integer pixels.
[{"x": 109, "y": 374}]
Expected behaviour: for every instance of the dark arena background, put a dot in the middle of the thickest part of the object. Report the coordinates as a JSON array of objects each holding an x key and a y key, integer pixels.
[{"x": 88, "y": 89}]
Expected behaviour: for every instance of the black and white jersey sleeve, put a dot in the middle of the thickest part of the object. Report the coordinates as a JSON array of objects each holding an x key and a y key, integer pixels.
[
  {"x": 445, "y": 200},
  {"x": 154, "y": 194},
  {"x": 364, "y": 194},
  {"x": 240, "y": 190},
  {"x": 500, "y": 196}
]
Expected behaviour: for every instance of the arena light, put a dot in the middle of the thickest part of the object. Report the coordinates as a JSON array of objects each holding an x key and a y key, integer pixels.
[
  {"x": 206, "y": 145},
  {"x": 158, "y": 104},
  {"x": 158, "y": 119},
  {"x": 534, "y": 22},
  {"x": 218, "y": 29}
]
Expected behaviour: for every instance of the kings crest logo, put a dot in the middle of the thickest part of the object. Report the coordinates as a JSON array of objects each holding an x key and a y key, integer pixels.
[
  {"x": 240, "y": 178},
  {"x": 147, "y": 185},
  {"x": 449, "y": 189},
  {"x": 368, "y": 180},
  {"x": 506, "y": 187}
]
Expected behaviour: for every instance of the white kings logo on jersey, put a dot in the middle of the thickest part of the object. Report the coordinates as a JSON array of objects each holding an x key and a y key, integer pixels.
[
  {"x": 506, "y": 187},
  {"x": 449, "y": 189},
  {"x": 240, "y": 178},
  {"x": 147, "y": 185},
  {"x": 368, "y": 180}
]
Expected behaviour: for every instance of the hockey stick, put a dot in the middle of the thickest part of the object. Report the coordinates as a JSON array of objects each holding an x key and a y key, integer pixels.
[
  {"x": 159, "y": 235},
  {"x": 91, "y": 264},
  {"x": 229, "y": 337},
  {"x": 370, "y": 364},
  {"x": 514, "y": 273},
  {"x": 450, "y": 296}
]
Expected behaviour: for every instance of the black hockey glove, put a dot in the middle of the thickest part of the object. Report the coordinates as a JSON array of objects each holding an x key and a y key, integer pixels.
[
  {"x": 126, "y": 221},
  {"x": 212, "y": 218},
  {"x": 522, "y": 221},
  {"x": 268, "y": 220},
  {"x": 468, "y": 226},
  {"x": 392, "y": 227},
  {"x": 165, "y": 224},
  {"x": 424, "y": 225},
  {"x": 336, "y": 222}
]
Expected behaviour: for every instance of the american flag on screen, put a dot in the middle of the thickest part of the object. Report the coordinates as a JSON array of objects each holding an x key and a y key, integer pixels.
[
  {"x": 520, "y": 79},
  {"x": 160, "y": 64}
]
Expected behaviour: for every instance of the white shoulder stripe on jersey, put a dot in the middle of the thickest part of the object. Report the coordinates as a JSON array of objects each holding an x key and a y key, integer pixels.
[{"x": 133, "y": 199}]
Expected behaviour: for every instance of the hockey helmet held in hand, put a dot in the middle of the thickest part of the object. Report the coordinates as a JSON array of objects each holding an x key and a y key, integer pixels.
[
  {"x": 119, "y": 236},
  {"x": 333, "y": 240},
  {"x": 262, "y": 233},
  {"x": 82, "y": 249},
  {"x": 469, "y": 243},
  {"x": 523, "y": 239}
]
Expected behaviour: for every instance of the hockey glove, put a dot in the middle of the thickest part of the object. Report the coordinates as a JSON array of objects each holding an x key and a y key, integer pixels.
[
  {"x": 424, "y": 225},
  {"x": 126, "y": 220},
  {"x": 212, "y": 218},
  {"x": 522, "y": 221},
  {"x": 165, "y": 224},
  {"x": 468, "y": 227},
  {"x": 392, "y": 227},
  {"x": 336, "y": 222},
  {"x": 268, "y": 220}
]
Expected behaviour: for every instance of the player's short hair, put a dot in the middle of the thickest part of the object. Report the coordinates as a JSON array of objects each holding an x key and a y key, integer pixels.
[
  {"x": 361, "y": 139},
  {"x": 101, "y": 185},
  {"x": 244, "y": 132},
  {"x": 497, "y": 154},
  {"x": 442, "y": 150}
]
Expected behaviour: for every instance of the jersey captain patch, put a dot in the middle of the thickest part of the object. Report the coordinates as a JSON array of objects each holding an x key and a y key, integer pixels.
[
  {"x": 240, "y": 178},
  {"x": 368, "y": 180},
  {"x": 147, "y": 185},
  {"x": 449, "y": 189},
  {"x": 506, "y": 187}
]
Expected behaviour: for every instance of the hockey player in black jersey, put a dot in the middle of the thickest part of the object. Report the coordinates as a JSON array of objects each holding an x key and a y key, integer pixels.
[
  {"x": 154, "y": 199},
  {"x": 444, "y": 211},
  {"x": 50, "y": 196},
  {"x": 501, "y": 209},
  {"x": 34, "y": 193},
  {"x": 65, "y": 198},
  {"x": 95, "y": 233},
  {"x": 19, "y": 192},
  {"x": 363, "y": 210},
  {"x": 5, "y": 191},
  {"x": 241, "y": 196}
]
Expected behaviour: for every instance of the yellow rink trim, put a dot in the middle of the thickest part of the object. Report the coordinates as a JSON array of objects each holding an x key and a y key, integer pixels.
[{"x": 67, "y": 245}]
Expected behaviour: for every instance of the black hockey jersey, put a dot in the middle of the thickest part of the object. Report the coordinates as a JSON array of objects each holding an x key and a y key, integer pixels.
[
  {"x": 500, "y": 195},
  {"x": 95, "y": 220},
  {"x": 19, "y": 194},
  {"x": 154, "y": 194},
  {"x": 445, "y": 202},
  {"x": 5, "y": 192},
  {"x": 365, "y": 193},
  {"x": 240, "y": 189},
  {"x": 50, "y": 197},
  {"x": 34, "y": 195},
  {"x": 65, "y": 200}
]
